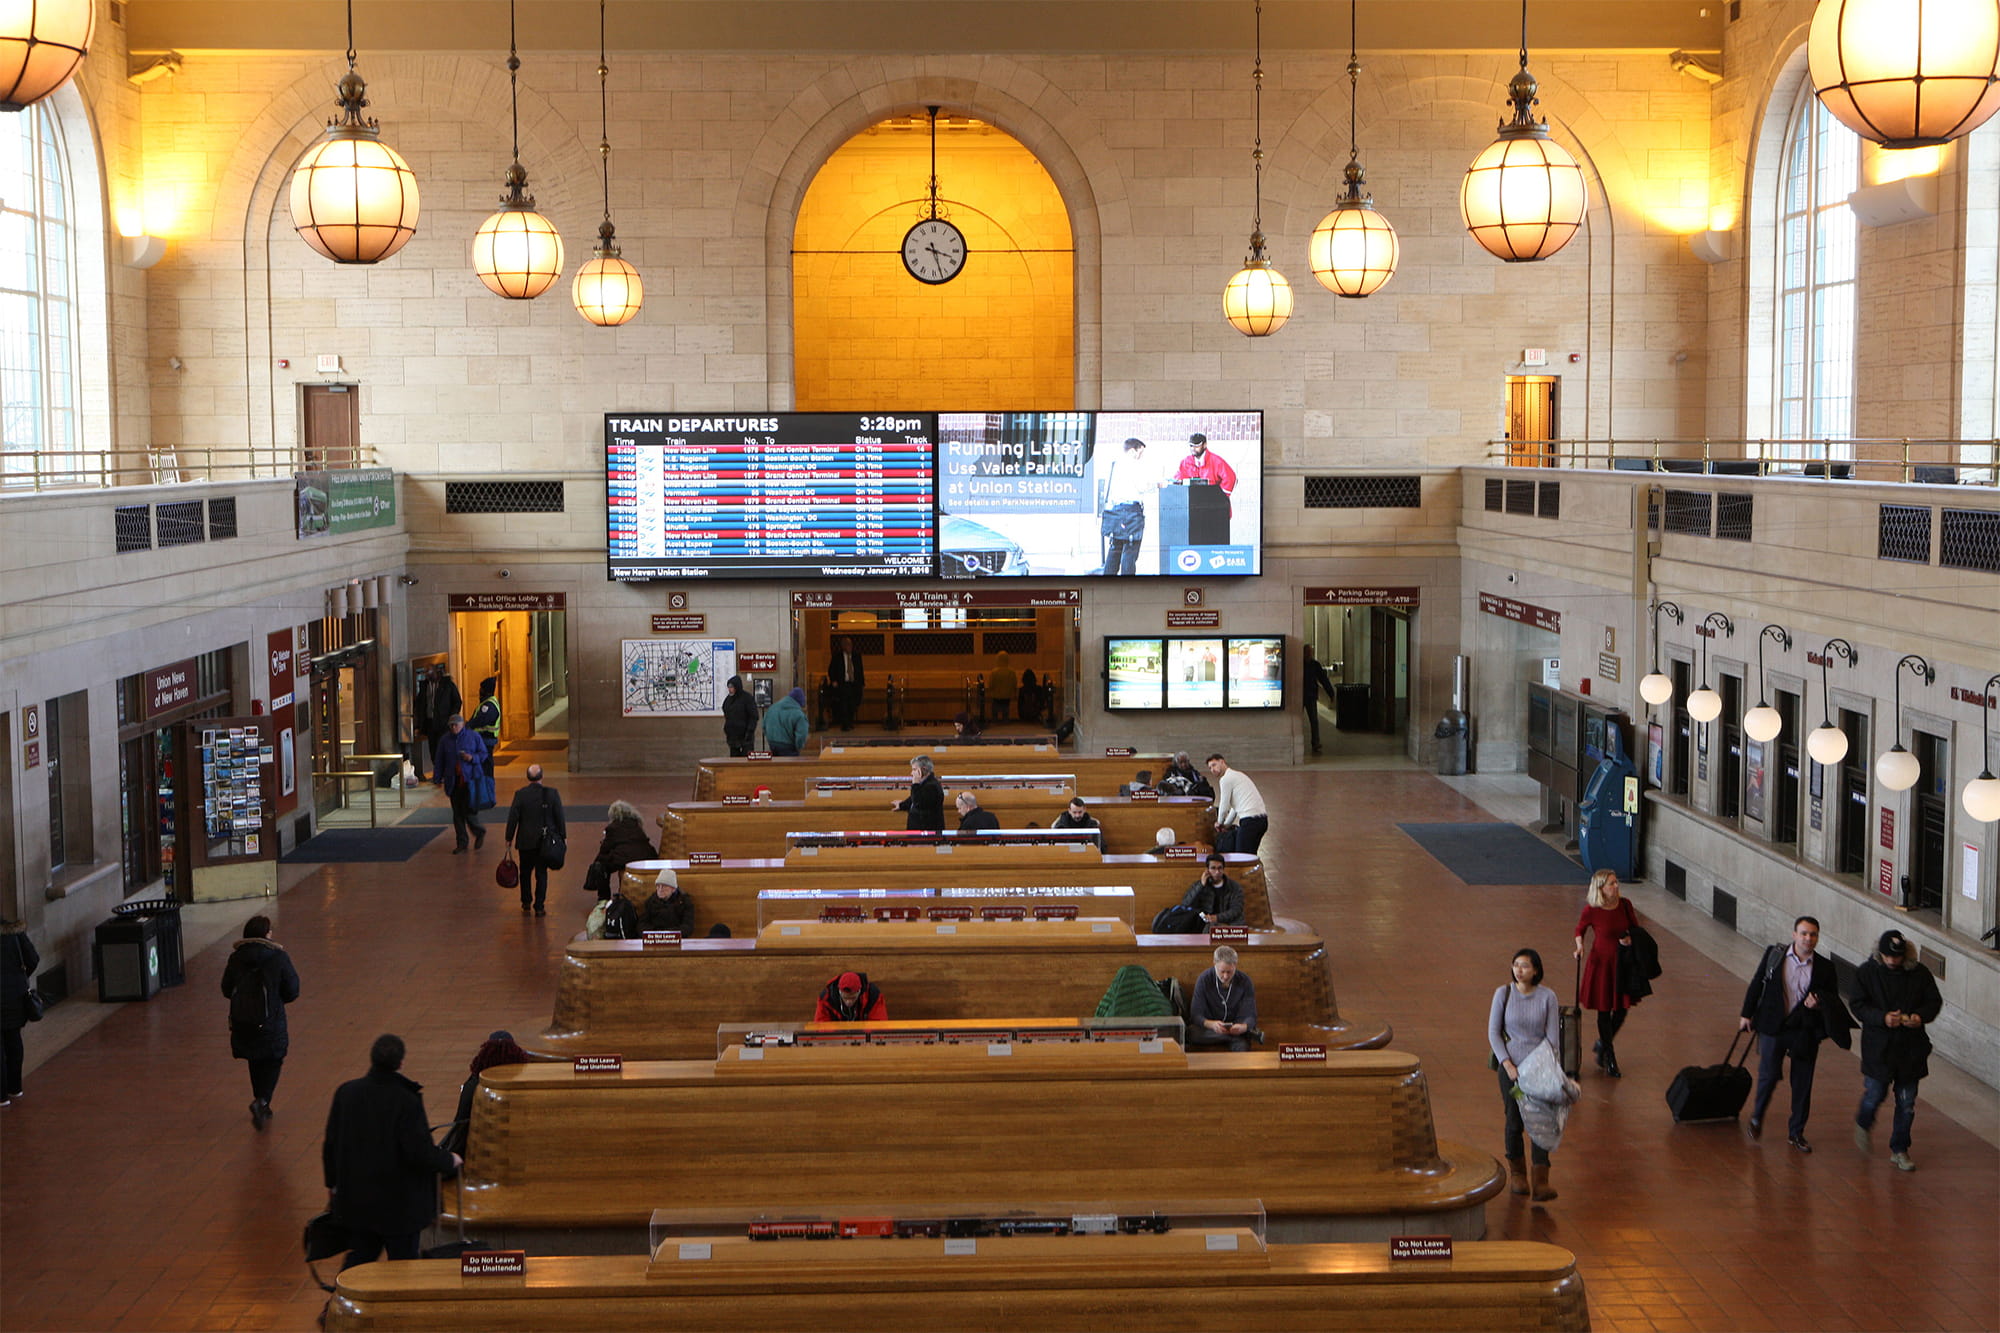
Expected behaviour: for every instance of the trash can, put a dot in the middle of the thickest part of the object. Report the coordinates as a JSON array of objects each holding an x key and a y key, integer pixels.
[
  {"x": 1451, "y": 738},
  {"x": 1351, "y": 704},
  {"x": 165, "y": 915},
  {"x": 131, "y": 951}
]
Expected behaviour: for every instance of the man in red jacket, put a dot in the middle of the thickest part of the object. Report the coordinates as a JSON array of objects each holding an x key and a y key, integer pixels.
[
  {"x": 850, "y": 998},
  {"x": 1201, "y": 465}
]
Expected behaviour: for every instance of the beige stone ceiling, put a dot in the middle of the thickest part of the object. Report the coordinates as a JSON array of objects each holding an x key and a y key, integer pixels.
[{"x": 924, "y": 26}]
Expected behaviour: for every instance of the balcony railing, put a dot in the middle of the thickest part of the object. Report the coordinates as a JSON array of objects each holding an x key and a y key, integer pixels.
[
  {"x": 1917, "y": 462},
  {"x": 165, "y": 467}
]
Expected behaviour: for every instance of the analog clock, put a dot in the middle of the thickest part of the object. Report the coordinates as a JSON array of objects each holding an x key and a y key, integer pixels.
[{"x": 934, "y": 251}]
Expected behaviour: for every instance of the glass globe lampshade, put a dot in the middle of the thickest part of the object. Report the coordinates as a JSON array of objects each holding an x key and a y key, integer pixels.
[
  {"x": 1896, "y": 769},
  {"x": 354, "y": 198},
  {"x": 517, "y": 253},
  {"x": 1907, "y": 73},
  {"x": 1353, "y": 250},
  {"x": 1655, "y": 688},
  {"x": 1763, "y": 723},
  {"x": 1258, "y": 300},
  {"x": 42, "y": 44},
  {"x": 1704, "y": 705},
  {"x": 1981, "y": 798},
  {"x": 607, "y": 290},
  {"x": 1827, "y": 744}
]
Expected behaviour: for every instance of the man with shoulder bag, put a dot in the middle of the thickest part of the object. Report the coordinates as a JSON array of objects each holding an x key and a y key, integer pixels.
[
  {"x": 1793, "y": 1004},
  {"x": 535, "y": 830}
]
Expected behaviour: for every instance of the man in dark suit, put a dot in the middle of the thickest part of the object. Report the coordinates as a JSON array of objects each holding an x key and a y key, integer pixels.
[
  {"x": 535, "y": 816},
  {"x": 1793, "y": 1004},
  {"x": 849, "y": 678},
  {"x": 1316, "y": 680}
]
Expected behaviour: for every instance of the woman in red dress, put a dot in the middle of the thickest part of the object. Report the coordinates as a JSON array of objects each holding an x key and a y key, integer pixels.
[{"x": 1607, "y": 913}]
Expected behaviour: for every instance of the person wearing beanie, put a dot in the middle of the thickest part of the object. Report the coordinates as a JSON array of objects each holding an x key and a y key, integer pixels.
[
  {"x": 739, "y": 718},
  {"x": 668, "y": 908},
  {"x": 1896, "y": 999},
  {"x": 851, "y": 998},
  {"x": 786, "y": 725}
]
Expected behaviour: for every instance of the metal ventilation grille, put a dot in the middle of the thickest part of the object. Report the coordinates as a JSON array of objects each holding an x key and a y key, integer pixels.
[
  {"x": 1689, "y": 512},
  {"x": 935, "y": 644},
  {"x": 1549, "y": 499},
  {"x": 1495, "y": 490},
  {"x": 222, "y": 518},
  {"x": 1969, "y": 539},
  {"x": 1903, "y": 532},
  {"x": 134, "y": 527},
  {"x": 868, "y": 645},
  {"x": 503, "y": 497},
  {"x": 1008, "y": 641},
  {"x": 1735, "y": 516},
  {"x": 1364, "y": 492},
  {"x": 180, "y": 523},
  {"x": 1521, "y": 497}
]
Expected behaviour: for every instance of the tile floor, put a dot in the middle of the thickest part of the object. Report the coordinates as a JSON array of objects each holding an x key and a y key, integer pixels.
[{"x": 135, "y": 1195}]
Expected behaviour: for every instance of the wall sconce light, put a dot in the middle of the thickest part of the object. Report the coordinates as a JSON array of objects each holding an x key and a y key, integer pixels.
[
  {"x": 1981, "y": 797},
  {"x": 159, "y": 67},
  {"x": 1896, "y": 768},
  {"x": 1656, "y": 687},
  {"x": 1828, "y": 744},
  {"x": 1902, "y": 200},
  {"x": 1713, "y": 247},
  {"x": 1705, "y": 705},
  {"x": 336, "y": 602},
  {"x": 1763, "y": 723},
  {"x": 141, "y": 251}
]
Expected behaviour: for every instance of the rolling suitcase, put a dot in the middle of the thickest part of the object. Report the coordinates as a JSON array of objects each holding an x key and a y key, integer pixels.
[
  {"x": 1711, "y": 1092},
  {"x": 1569, "y": 1029}
]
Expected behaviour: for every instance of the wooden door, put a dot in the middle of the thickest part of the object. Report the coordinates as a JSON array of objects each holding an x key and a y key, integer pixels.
[
  {"x": 330, "y": 426},
  {"x": 1533, "y": 403}
]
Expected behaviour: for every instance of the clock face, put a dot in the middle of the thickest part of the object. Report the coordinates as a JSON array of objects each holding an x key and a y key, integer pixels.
[{"x": 934, "y": 251}]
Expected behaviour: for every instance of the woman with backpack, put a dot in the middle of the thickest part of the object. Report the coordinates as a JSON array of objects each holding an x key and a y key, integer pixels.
[{"x": 259, "y": 981}]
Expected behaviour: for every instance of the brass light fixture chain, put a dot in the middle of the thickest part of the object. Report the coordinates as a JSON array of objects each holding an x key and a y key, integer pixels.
[
  {"x": 514, "y": 80},
  {"x": 1353, "y": 78},
  {"x": 350, "y": 36},
  {"x": 934, "y": 175},
  {"x": 603, "y": 111},
  {"x": 1257, "y": 150}
]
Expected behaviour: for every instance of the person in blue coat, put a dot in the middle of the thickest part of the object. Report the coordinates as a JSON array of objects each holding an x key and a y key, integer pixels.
[{"x": 461, "y": 769}]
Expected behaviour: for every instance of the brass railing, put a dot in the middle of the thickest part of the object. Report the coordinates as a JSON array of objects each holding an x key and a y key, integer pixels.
[
  {"x": 343, "y": 776},
  {"x": 94, "y": 469},
  {"x": 1911, "y": 461}
]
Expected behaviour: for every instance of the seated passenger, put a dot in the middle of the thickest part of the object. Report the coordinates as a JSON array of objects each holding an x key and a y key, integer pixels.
[
  {"x": 1077, "y": 816},
  {"x": 668, "y": 908},
  {"x": 850, "y": 998},
  {"x": 1222, "y": 1016},
  {"x": 1216, "y": 898},
  {"x": 971, "y": 818},
  {"x": 1163, "y": 838},
  {"x": 964, "y": 724},
  {"x": 624, "y": 842},
  {"x": 497, "y": 1049},
  {"x": 1182, "y": 778}
]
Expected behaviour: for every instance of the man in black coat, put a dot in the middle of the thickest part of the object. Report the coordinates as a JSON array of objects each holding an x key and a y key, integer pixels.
[
  {"x": 1793, "y": 1003},
  {"x": 849, "y": 679},
  {"x": 1215, "y": 898},
  {"x": 1315, "y": 681},
  {"x": 259, "y": 981},
  {"x": 380, "y": 1164},
  {"x": 535, "y": 817},
  {"x": 925, "y": 803},
  {"x": 972, "y": 818},
  {"x": 1896, "y": 999},
  {"x": 739, "y": 718}
]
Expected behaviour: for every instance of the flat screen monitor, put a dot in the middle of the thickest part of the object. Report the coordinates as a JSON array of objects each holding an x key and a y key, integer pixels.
[
  {"x": 781, "y": 495},
  {"x": 1114, "y": 494},
  {"x": 1204, "y": 672}
]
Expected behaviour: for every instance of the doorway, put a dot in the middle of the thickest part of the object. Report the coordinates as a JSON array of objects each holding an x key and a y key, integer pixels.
[
  {"x": 329, "y": 425},
  {"x": 1534, "y": 417},
  {"x": 923, "y": 666},
  {"x": 1366, "y": 652},
  {"x": 526, "y": 654},
  {"x": 1930, "y": 809}
]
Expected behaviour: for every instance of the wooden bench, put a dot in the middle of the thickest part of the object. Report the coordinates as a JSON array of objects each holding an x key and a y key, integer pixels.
[
  {"x": 727, "y": 892},
  {"x": 1496, "y": 1285},
  {"x": 616, "y": 996},
  {"x": 903, "y": 744},
  {"x": 875, "y": 791},
  {"x": 1096, "y": 775},
  {"x": 758, "y": 829},
  {"x": 1340, "y": 1149}
]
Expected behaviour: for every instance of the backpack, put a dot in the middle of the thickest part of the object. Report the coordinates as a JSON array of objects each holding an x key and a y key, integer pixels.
[
  {"x": 250, "y": 1003},
  {"x": 1179, "y": 919}
]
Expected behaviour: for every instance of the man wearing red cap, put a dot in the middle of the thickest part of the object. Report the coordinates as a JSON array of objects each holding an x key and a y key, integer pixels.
[{"x": 850, "y": 998}]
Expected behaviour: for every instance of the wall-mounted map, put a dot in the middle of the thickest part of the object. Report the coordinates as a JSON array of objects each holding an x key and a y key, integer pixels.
[{"x": 675, "y": 677}]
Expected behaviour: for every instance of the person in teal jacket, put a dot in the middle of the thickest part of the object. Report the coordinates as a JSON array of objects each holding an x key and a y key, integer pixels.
[{"x": 785, "y": 725}]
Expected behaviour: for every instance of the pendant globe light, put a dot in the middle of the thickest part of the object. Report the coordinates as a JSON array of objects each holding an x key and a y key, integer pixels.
[
  {"x": 1896, "y": 768},
  {"x": 607, "y": 290},
  {"x": 42, "y": 45},
  {"x": 1354, "y": 249},
  {"x": 1907, "y": 73},
  {"x": 1523, "y": 197},
  {"x": 353, "y": 197},
  {"x": 1258, "y": 300},
  {"x": 1981, "y": 797},
  {"x": 1705, "y": 705},
  {"x": 517, "y": 252},
  {"x": 1828, "y": 744},
  {"x": 1763, "y": 723},
  {"x": 1656, "y": 687}
]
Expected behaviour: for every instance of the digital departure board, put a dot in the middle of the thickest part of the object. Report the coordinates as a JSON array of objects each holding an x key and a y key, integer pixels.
[{"x": 781, "y": 495}]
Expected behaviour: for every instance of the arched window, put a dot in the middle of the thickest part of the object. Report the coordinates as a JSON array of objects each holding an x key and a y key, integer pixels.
[
  {"x": 38, "y": 303},
  {"x": 1816, "y": 262}
]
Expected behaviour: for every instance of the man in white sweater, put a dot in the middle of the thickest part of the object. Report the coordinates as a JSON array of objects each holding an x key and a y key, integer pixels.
[{"x": 1240, "y": 817}]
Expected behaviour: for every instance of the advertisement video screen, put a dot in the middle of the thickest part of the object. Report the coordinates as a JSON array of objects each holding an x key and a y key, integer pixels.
[
  {"x": 783, "y": 495},
  {"x": 1196, "y": 673},
  {"x": 1118, "y": 494}
]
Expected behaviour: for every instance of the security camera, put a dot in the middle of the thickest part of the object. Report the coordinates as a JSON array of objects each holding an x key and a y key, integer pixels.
[
  {"x": 1511, "y": 578},
  {"x": 407, "y": 580},
  {"x": 506, "y": 573}
]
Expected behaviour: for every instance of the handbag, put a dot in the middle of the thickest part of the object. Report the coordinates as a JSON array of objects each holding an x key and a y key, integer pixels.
[
  {"x": 508, "y": 873},
  {"x": 33, "y": 1006},
  {"x": 555, "y": 847}
]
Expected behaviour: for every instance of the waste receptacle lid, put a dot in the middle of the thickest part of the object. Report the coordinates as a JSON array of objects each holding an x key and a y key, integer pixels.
[{"x": 146, "y": 907}]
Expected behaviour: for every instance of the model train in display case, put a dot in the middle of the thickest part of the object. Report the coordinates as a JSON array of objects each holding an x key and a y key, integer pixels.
[{"x": 954, "y": 1228}]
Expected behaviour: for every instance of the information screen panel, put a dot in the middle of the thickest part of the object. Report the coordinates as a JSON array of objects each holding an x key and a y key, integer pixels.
[
  {"x": 1205, "y": 672},
  {"x": 1257, "y": 673},
  {"x": 1133, "y": 673},
  {"x": 783, "y": 495}
]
